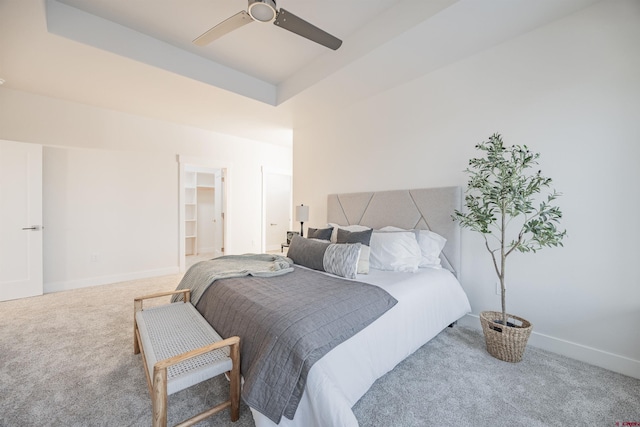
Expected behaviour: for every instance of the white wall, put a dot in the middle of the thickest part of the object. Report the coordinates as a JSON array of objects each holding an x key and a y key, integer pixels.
[
  {"x": 111, "y": 187},
  {"x": 570, "y": 90},
  {"x": 113, "y": 205}
]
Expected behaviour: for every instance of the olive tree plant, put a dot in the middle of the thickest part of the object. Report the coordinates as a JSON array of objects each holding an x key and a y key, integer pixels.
[{"x": 503, "y": 205}]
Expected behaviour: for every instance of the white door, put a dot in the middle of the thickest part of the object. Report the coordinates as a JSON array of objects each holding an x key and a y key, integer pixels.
[
  {"x": 20, "y": 220},
  {"x": 277, "y": 209}
]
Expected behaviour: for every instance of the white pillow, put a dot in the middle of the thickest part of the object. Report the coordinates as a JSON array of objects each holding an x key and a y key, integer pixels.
[
  {"x": 395, "y": 251},
  {"x": 363, "y": 261},
  {"x": 431, "y": 245},
  {"x": 392, "y": 228},
  {"x": 334, "y": 234},
  {"x": 363, "y": 237}
]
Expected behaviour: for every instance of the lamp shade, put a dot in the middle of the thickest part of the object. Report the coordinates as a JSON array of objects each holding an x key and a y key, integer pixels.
[{"x": 302, "y": 213}]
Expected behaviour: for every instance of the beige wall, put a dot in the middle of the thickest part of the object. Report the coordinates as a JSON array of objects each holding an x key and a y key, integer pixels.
[
  {"x": 111, "y": 187},
  {"x": 570, "y": 90}
]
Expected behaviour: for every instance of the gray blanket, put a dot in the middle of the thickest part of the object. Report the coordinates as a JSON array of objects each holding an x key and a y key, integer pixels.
[
  {"x": 285, "y": 325},
  {"x": 202, "y": 274}
]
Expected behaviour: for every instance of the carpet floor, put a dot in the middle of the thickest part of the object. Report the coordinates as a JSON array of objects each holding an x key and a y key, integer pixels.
[{"x": 66, "y": 359}]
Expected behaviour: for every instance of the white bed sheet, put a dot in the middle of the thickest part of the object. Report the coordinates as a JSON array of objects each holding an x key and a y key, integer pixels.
[{"x": 428, "y": 301}]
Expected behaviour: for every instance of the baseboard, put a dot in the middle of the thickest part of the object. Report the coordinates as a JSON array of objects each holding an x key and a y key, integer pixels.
[
  {"x": 583, "y": 353},
  {"x": 208, "y": 250},
  {"x": 105, "y": 280}
]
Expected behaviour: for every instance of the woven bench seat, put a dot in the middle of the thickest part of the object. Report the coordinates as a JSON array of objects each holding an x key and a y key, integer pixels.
[{"x": 181, "y": 349}]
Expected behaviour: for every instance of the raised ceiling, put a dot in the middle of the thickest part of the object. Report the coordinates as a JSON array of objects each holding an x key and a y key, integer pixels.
[
  {"x": 259, "y": 81},
  {"x": 259, "y": 50}
]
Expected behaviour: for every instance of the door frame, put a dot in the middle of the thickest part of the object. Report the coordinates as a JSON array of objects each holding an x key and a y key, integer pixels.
[
  {"x": 275, "y": 171},
  {"x": 197, "y": 162}
]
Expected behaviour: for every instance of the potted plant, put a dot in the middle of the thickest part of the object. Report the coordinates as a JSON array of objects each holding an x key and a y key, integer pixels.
[{"x": 503, "y": 205}]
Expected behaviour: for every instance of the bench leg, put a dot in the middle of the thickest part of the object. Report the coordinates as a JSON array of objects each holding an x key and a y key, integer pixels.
[
  {"x": 137, "y": 306},
  {"x": 136, "y": 342},
  {"x": 234, "y": 353},
  {"x": 159, "y": 398}
]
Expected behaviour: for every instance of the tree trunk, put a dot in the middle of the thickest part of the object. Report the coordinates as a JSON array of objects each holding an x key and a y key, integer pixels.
[{"x": 503, "y": 259}]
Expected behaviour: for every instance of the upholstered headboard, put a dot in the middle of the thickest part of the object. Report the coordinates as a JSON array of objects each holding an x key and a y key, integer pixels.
[{"x": 424, "y": 209}]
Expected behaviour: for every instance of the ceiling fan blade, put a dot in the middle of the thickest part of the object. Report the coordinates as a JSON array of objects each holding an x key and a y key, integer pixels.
[
  {"x": 291, "y": 22},
  {"x": 226, "y": 26}
]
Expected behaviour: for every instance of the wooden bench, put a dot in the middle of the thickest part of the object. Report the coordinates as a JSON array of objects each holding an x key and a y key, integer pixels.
[{"x": 180, "y": 349}]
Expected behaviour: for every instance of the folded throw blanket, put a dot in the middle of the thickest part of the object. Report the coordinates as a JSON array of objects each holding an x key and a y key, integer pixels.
[{"x": 202, "y": 274}]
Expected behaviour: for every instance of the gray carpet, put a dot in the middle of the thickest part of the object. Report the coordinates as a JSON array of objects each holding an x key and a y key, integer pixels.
[{"x": 66, "y": 360}]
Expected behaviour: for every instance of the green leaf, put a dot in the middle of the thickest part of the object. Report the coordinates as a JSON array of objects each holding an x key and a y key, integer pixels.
[{"x": 502, "y": 201}]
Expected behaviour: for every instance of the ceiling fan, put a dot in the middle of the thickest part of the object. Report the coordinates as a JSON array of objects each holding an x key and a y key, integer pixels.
[{"x": 265, "y": 11}]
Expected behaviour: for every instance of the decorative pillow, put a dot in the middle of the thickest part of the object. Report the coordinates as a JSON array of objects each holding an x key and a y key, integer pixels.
[
  {"x": 309, "y": 253},
  {"x": 395, "y": 251},
  {"x": 319, "y": 233},
  {"x": 346, "y": 236},
  {"x": 334, "y": 235},
  {"x": 363, "y": 237},
  {"x": 341, "y": 260},
  {"x": 431, "y": 245}
]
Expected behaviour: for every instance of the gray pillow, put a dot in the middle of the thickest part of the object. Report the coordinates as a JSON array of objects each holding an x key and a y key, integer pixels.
[
  {"x": 308, "y": 253},
  {"x": 363, "y": 237},
  {"x": 319, "y": 233}
]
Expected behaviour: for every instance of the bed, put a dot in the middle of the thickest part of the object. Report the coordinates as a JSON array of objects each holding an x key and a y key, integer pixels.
[{"x": 428, "y": 300}]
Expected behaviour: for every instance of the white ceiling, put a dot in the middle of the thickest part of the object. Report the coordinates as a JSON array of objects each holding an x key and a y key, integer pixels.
[
  {"x": 260, "y": 50},
  {"x": 259, "y": 81}
]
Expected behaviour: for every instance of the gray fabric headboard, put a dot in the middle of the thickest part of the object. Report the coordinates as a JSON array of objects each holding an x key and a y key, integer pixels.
[{"x": 424, "y": 209}]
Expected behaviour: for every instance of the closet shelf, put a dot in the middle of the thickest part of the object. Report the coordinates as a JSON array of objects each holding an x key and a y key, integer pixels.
[{"x": 194, "y": 182}]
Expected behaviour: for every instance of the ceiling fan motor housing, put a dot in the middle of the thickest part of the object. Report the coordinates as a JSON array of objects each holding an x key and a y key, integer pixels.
[
  {"x": 262, "y": 10},
  {"x": 265, "y": 11}
]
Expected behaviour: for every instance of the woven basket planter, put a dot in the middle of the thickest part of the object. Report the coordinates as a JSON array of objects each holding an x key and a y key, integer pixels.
[{"x": 505, "y": 342}]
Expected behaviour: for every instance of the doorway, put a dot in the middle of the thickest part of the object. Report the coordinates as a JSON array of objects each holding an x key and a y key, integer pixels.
[
  {"x": 276, "y": 208},
  {"x": 202, "y": 212}
]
